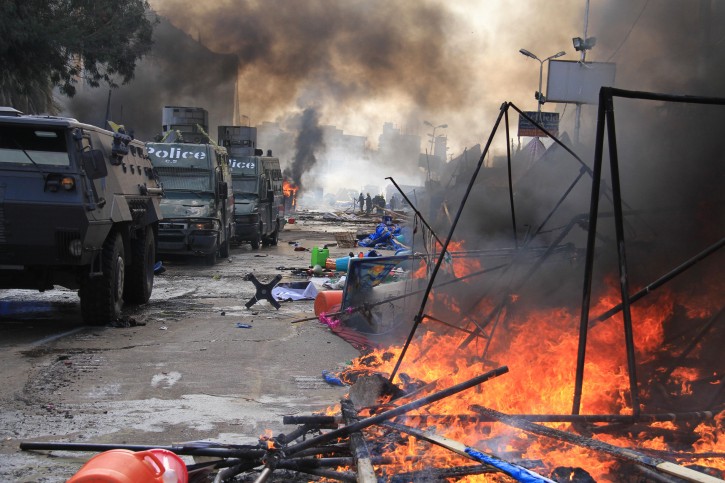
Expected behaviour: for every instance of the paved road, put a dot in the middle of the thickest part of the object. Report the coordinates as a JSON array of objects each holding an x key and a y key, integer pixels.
[{"x": 184, "y": 372}]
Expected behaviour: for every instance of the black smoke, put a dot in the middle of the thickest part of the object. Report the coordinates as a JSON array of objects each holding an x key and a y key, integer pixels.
[
  {"x": 179, "y": 71},
  {"x": 308, "y": 142}
]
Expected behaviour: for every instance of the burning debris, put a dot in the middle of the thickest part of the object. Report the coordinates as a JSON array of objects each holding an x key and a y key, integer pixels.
[{"x": 290, "y": 196}]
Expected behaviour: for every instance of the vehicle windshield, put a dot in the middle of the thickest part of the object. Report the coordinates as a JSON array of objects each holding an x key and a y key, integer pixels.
[
  {"x": 31, "y": 144},
  {"x": 244, "y": 185},
  {"x": 185, "y": 179}
]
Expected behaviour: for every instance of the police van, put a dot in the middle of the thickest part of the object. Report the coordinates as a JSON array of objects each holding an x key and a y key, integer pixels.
[
  {"x": 198, "y": 203},
  {"x": 257, "y": 185}
]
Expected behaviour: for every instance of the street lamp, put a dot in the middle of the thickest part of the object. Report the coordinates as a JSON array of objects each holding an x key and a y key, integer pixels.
[
  {"x": 539, "y": 95},
  {"x": 433, "y": 136}
]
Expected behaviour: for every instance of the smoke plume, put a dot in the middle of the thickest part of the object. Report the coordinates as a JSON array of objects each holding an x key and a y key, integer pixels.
[{"x": 309, "y": 140}]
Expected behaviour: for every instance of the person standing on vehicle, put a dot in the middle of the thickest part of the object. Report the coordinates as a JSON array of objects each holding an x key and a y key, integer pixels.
[
  {"x": 368, "y": 204},
  {"x": 361, "y": 200}
]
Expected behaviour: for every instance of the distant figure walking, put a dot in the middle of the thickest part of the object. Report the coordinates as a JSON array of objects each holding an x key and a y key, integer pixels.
[
  {"x": 393, "y": 202},
  {"x": 361, "y": 200},
  {"x": 368, "y": 204}
]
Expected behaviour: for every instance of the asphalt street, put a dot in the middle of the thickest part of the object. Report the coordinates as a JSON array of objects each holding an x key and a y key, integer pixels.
[{"x": 192, "y": 364}]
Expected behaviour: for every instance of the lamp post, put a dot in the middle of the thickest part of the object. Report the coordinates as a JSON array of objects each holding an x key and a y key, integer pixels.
[
  {"x": 539, "y": 95},
  {"x": 433, "y": 136}
]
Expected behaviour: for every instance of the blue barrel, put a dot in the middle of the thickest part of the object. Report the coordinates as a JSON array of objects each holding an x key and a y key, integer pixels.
[{"x": 341, "y": 264}]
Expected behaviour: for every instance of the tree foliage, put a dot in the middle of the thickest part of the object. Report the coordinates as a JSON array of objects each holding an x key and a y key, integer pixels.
[{"x": 58, "y": 43}]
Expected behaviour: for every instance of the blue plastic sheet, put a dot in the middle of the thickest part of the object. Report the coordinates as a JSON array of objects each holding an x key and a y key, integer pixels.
[
  {"x": 384, "y": 237},
  {"x": 518, "y": 473},
  {"x": 331, "y": 378}
]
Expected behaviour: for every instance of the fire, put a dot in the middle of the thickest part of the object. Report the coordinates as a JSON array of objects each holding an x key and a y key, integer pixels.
[
  {"x": 289, "y": 189},
  {"x": 540, "y": 347},
  {"x": 457, "y": 262}
]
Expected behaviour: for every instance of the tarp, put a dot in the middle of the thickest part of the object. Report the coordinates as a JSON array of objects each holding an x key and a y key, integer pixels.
[{"x": 294, "y": 291}]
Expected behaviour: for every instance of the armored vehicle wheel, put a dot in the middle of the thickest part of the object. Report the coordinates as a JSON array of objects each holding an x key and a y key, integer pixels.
[
  {"x": 256, "y": 239},
  {"x": 274, "y": 237},
  {"x": 212, "y": 257},
  {"x": 102, "y": 297},
  {"x": 224, "y": 249},
  {"x": 140, "y": 274}
]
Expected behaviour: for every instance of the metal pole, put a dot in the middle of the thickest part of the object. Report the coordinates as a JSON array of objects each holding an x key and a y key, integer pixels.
[
  {"x": 662, "y": 280},
  {"x": 541, "y": 74},
  {"x": 415, "y": 210},
  {"x": 622, "y": 256},
  {"x": 444, "y": 248},
  {"x": 604, "y": 100},
  {"x": 582, "y": 58},
  {"x": 511, "y": 186}
]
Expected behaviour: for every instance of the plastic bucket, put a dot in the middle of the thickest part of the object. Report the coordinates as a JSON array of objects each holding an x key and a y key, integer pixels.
[
  {"x": 121, "y": 466},
  {"x": 327, "y": 300},
  {"x": 172, "y": 463},
  {"x": 341, "y": 264}
]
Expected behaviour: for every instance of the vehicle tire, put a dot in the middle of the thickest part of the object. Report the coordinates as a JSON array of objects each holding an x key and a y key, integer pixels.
[
  {"x": 256, "y": 239},
  {"x": 224, "y": 250},
  {"x": 102, "y": 297},
  {"x": 140, "y": 274},
  {"x": 211, "y": 258},
  {"x": 274, "y": 237}
]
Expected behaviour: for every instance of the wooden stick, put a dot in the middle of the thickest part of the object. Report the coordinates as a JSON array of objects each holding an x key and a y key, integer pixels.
[{"x": 360, "y": 452}]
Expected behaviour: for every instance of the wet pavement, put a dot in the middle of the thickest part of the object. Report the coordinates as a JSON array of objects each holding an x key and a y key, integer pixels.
[{"x": 192, "y": 364}]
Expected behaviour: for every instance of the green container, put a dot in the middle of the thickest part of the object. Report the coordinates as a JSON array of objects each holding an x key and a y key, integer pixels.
[{"x": 319, "y": 256}]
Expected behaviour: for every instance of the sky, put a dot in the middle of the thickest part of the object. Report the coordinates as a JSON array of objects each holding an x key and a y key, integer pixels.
[
  {"x": 359, "y": 64},
  {"x": 368, "y": 62}
]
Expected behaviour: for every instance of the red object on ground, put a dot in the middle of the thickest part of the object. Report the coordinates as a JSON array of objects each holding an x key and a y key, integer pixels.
[
  {"x": 171, "y": 461},
  {"x": 327, "y": 300},
  {"x": 121, "y": 466},
  {"x": 291, "y": 221}
]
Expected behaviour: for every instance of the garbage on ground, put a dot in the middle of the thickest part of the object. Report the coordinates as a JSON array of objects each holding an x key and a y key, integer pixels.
[
  {"x": 338, "y": 284},
  {"x": 328, "y": 301},
  {"x": 384, "y": 237},
  {"x": 319, "y": 256},
  {"x": 243, "y": 326},
  {"x": 331, "y": 378},
  {"x": 294, "y": 291},
  {"x": 159, "y": 268}
]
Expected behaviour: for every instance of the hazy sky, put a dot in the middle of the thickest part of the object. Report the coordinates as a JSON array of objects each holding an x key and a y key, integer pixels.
[
  {"x": 358, "y": 64},
  {"x": 367, "y": 62}
]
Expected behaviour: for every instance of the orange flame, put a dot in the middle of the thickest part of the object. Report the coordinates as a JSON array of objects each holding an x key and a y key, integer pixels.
[{"x": 540, "y": 348}]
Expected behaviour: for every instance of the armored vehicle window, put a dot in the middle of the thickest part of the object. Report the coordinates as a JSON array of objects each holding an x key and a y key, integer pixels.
[
  {"x": 185, "y": 179},
  {"x": 242, "y": 184},
  {"x": 21, "y": 144}
]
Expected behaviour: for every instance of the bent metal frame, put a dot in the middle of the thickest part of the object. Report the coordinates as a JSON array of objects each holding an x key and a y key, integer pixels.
[{"x": 605, "y": 119}]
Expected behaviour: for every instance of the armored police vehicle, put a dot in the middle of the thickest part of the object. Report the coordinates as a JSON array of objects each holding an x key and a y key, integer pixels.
[
  {"x": 257, "y": 182},
  {"x": 79, "y": 208},
  {"x": 198, "y": 204}
]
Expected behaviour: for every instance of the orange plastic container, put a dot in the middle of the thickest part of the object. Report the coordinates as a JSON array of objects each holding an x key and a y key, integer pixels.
[
  {"x": 172, "y": 462},
  {"x": 121, "y": 466},
  {"x": 327, "y": 301}
]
